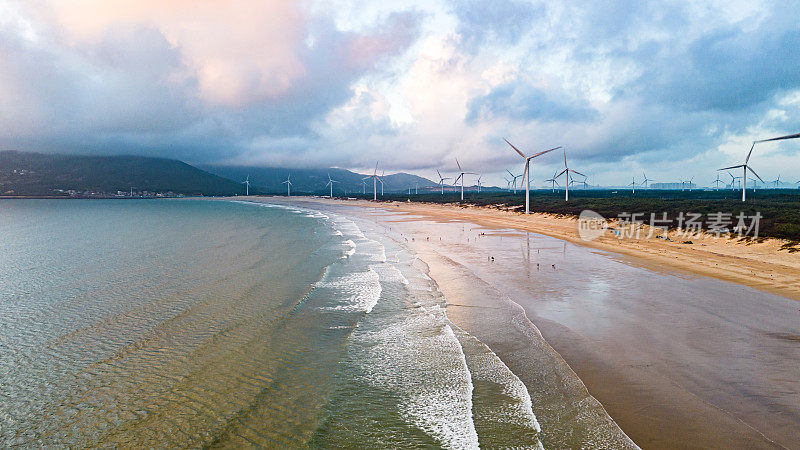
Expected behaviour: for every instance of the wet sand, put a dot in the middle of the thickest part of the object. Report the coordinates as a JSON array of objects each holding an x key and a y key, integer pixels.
[
  {"x": 678, "y": 360},
  {"x": 762, "y": 265}
]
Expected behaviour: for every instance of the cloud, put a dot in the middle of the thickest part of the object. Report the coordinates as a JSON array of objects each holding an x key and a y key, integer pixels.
[
  {"x": 280, "y": 82},
  {"x": 522, "y": 101}
]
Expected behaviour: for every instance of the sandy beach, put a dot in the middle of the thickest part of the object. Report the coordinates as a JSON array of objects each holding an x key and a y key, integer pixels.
[
  {"x": 762, "y": 265},
  {"x": 685, "y": 345}
]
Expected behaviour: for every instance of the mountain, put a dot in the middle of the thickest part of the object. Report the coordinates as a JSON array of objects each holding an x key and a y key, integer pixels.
[
  {"x": 23, "y": 173},
  {"x": 313, "y": 181}
]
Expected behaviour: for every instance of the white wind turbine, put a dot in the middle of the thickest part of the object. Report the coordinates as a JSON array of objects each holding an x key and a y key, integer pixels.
[
  {"x": 375, "y": 179},
  {"x": 526, "y": 174},
  {"x": 745, "y": 167},
  {"x": 733, "y": 180},
  {"x": 514, "y": 179},
  {"x": 288, "y": 184},
  {"x": 633, "y": 185},
  {"x": 330, "y": 183},
  {"x": 479, "y": 183},
  {"x": 646, "y": 180},
  {"x": 246, "y": 183},
  {"x": 441, "y": 180},
  {"x": 566, "y": 172},
  {"x": 687, "y": 182},
  {"x": 461, "y": 177},
  {"x": 554, "y": 182},
  {"x": 717, "y": 182},
  {"x": 777, "y": 181}
]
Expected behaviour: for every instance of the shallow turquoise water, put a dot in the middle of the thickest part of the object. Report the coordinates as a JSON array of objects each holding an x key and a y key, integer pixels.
[{"x": 196, "y": 322}]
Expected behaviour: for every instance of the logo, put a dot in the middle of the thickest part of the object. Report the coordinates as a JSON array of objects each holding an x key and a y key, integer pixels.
[{"x": 591, "y": 225}]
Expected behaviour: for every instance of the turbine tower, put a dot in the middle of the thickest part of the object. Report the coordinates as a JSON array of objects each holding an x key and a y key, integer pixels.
[
  {"x": 745, "y": 167},
  {"x": 330, "y": 183},
  {"x": 777, "y": 181},
  {"x": 441, "y": 180},
  {"x": 461, "y": 177},
  {"x": 566, "y": 172},
  {"x": 246, "y": 183},
  {"x": 526, "y": 174},
  {"x": 633, "y": 185},
  {"x": 375, "y": 179},
  {"x": 479, "y": 183},
  {"x": 288, "y": 184}
]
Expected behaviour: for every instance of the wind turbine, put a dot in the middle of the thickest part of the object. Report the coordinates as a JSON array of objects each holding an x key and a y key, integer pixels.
[
  {"x": 441, "y": 180},
  {"x": 777, "y": 181},
  {"x": 685, "y": 182},
  {"x": 479, "y": 183},
  {"x": 745, "y": 167},
  {"x": 246, "y": 183},
  {"x": 363, "y": 187},
  {"x": 288, "y": 184},
  {"x": 717, "y": 182},
  {"x": 514, "y": 179},
  {"x": 633, "y": 185},
  {"x": 733, "y": 180},
  {"x": 554, "y": 182},
  {"x": 566, "y": 172},
  {"x": 375, "y": 179},
  {"x": 646, "y": 180},
  {"x": 508, "y": 183},
  {"x": 461, "y": 177},
  {"x": 526, "y": 174},
  {"x": 330, "y": 183}
]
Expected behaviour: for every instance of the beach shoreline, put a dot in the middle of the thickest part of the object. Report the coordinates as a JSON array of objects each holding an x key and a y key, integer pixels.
[
  {"x": 758, "y": 264},
  {"x": 655, "y": 393}
]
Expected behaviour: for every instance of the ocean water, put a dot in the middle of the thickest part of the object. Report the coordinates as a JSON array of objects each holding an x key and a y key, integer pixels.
[{"x": 178, "y": 323}]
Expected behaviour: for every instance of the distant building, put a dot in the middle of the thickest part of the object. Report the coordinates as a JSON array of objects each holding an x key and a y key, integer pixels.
[{"x": 673, "y": 186}]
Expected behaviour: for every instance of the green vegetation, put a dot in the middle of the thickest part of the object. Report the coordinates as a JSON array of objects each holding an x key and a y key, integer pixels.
[
  {"x": 36, "y": 174},
  {"x": 779, "y": 208}
]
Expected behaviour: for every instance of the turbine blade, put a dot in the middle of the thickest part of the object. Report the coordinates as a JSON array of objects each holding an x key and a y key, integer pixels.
[
  {"x": 509, "y": 172},
  {"x": 515, "y": 148},
  {"x": 546, "y": 151},
  {"x": 790, "y": 136},
  {"x": 731, "y": 167},
  {"x": 575, "y": 171},
  {"x": 747, "y": 160},
  {"x": 562, "y": 173},
  {"x": 754, "y": 173},
  {"x": 456, "y": 180}
]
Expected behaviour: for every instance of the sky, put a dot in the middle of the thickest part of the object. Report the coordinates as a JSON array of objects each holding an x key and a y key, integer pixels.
[{"x": 675, "y": 89}]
